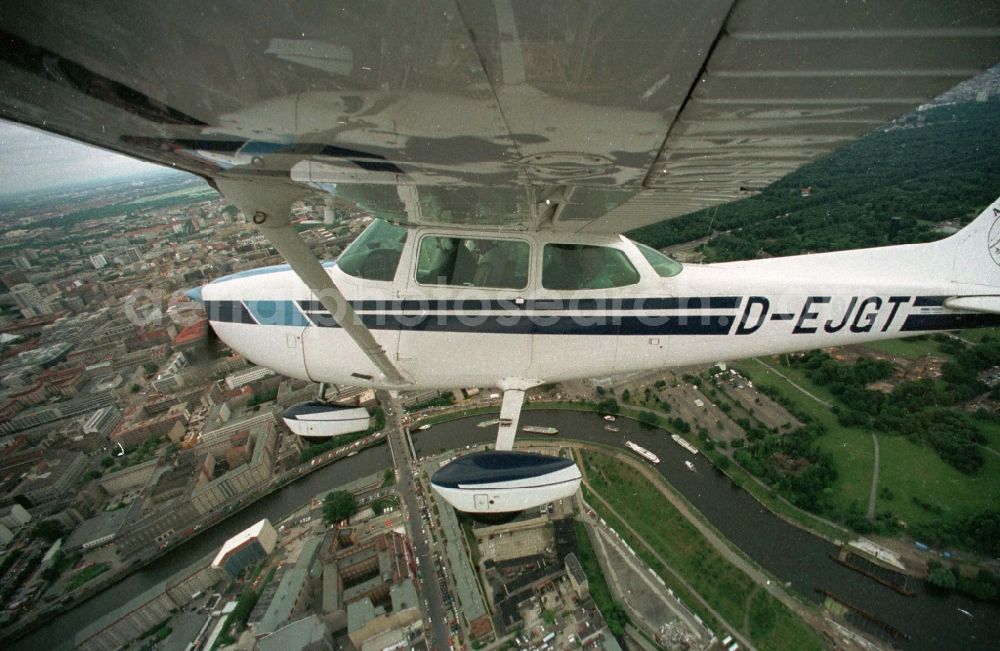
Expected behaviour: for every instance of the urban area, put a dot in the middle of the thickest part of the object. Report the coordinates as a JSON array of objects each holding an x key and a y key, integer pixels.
[
  {"x": 129, "y": 436},
  {"x": 127, "y": 429}
]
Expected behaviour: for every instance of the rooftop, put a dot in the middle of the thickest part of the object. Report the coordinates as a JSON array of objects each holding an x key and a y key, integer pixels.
[
  {"x": 283, "y": 603},
  {"x": 106, "y": 523},
  {"x": 241, "y": 538},
  {"x": 403, "y": 595},
  {"x": 359, "y": 613},
  {"x": 297, "y": 635}
]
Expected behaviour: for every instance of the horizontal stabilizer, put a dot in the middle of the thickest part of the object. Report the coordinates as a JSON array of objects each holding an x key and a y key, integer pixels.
[{"x": 984, "y": 304}]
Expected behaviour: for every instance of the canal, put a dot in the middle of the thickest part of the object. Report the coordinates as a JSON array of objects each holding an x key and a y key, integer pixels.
[
  {"x": 58, "y": 634},
  {"x": 796, "y": 557}
]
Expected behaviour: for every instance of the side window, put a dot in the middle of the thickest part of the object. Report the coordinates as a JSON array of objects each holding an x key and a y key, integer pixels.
[
  {"x": 581, "y": 266},
  {"x": 375, "y": 254},
  {"x": 472, "y": 262}
]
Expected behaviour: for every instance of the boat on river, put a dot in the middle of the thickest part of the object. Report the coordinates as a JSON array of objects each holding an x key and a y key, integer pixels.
[
  {"x": 538, "y": 429},
  {"x": 643, "y": 452}
]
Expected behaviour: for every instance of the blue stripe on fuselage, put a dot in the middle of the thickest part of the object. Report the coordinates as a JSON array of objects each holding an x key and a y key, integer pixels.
[
  {"x": 925, "y": 322},
  {"x": 547, "y": 304},
  {"x": 276, "y": 313},
  {"x": 510, "y": 322}
]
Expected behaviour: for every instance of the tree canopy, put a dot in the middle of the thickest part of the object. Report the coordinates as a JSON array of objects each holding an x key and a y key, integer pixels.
[
  {"x": 339, "y": 505},
  {"x": 886, "y": 188}
]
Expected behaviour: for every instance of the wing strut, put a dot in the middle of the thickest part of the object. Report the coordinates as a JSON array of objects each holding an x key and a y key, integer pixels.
[
  {"x": 510, "y": 413},
  {"x": 269, "y": 207}
]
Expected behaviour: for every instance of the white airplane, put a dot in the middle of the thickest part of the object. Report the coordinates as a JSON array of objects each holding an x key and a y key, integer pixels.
[{"x": 505, "y": 146}]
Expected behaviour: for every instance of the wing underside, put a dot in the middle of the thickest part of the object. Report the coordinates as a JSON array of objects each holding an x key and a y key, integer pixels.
[{"x": 583, "y": 116}]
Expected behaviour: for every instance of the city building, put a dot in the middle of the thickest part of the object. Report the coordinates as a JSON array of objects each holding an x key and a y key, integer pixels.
[
  {"x": 246, "y": 548},
  {"x": 53, "y": 478},
  {"x": 469, "y": 596},
  {"x": 14, "y": 516},
  {"x": 102, "y": 421},
  {"x": 243, "y": 480},
  {"x": 6, "y": 535},
  {"x": 236, "y": 380},
  {"x": 97, "y": 531},
  {"x": 29, "y": 300},
  {"x": 293, "y": 592},
  {"x": 129, "y": 478},
  {"x": 148, "y": 609},
  {"x": 577, "y": 577},
  {"x": 98, "y": 261},
  {"x": 306, "y": 634},
  {"x": 44, "y": 414}
]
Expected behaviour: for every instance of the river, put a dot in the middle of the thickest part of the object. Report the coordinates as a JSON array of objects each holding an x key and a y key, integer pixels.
[
  {"x": 58, "y": 634},
  {"x": 933, "y": 621}
]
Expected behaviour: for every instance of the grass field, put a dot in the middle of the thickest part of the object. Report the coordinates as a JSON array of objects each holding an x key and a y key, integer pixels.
[
  {"x": 979, "y": 334},
  {"x": 731, "y": 592},
  {"x": 909, "y": 348},
  {"x": 598, "y": 584},
  {"x": 992, "y": 431},
  {"x": 852, "y": 449},
  {"x": 87, "y": 574},
  {"x": 854, "y": 456},
  {"x": 907, "y": 470}
]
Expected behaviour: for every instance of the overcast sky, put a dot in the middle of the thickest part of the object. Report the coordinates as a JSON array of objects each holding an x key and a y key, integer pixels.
[{"x": 33, "y": 160}]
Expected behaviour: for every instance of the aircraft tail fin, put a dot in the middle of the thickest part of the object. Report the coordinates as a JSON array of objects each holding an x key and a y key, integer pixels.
[{"x": 976, "y": 250}]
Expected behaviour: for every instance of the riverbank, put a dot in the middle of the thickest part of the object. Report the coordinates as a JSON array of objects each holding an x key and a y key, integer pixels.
[
  {"x": 56, "y": 631},
  {"x": 109, "y": 579},
  {"x": 832, "y": 532},
  {"x": 736, "y": 592},
  {"x": 801, "y": 560}
]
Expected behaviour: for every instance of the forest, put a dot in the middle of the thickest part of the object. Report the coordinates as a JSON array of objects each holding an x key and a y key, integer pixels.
[
  {"x": 921, "y": 410},
  {"x": 890, "y": 187}
]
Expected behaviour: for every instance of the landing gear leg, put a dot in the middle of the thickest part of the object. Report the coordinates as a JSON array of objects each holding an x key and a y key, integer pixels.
[{"x": 510, "y": 413}]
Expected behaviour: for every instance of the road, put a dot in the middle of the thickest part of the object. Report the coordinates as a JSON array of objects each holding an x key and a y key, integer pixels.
[
  {"x": 787, "y": 379},
  {"x": 435, "y": 610},
  {"x": 874, "y": 489}
]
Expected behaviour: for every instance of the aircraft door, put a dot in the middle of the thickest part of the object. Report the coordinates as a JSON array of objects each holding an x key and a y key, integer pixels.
[
  {"x": 462, "y": 317},
  {"x": 332, "y": 356},
  {"x": 276, "y": 341}
]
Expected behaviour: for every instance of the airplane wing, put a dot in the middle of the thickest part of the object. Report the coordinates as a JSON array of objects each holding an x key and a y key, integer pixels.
[{"x": 584, "y": 116}]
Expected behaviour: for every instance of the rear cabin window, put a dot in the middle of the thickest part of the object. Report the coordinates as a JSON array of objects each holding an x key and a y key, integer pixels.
[
  {"x": 473, "y": 262},
  {"x": 376, "y": 253},
  {"x": 581, "y": 266}
]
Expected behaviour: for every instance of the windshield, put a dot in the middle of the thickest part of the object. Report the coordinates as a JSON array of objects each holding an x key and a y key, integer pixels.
[
  {"x": 662, "y": 265},
  {"x": 375, "y": 254}
]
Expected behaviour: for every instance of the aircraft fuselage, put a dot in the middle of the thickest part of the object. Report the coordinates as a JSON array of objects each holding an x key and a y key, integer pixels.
[{"x": 446, "y": 336}]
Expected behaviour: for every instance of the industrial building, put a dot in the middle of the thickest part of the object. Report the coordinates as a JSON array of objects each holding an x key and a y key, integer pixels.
[
  {"x": 138, "y": 615},
  {"x": 246, "y": 548}
]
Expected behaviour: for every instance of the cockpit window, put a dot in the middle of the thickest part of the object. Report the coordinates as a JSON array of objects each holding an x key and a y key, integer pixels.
[
  {"x": 581, "y": 266},
  {"x": 661, "y": 263},
  {"x": 375, "y": 254},
  {"x": 473, "y": 262}
]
